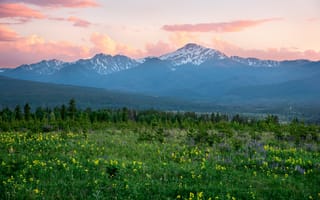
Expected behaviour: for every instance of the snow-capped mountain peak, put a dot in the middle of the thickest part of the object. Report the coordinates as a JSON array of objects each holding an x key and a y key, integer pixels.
[
  {"x": 45, "y": 67},
  {"x": 104, "y": 64},
  {"x": 192, "y": 53},
  {"x": 107, "y": 64}
]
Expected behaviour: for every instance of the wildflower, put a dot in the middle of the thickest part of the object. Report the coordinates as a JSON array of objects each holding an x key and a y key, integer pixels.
[
  {"x": 36, "y": 191},
  {"x": 96, "y": 162},
  {"x": 199, "y": 195},
  {"x": 191, "y": 196}
]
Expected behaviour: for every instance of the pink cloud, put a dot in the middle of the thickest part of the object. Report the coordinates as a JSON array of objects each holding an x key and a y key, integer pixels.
[
  {"x": 61, "y": 3},
  {"x": 24, "y": 50},
  {"x": 105, "y": 44},
  {"x": 158, "y": 48},
  {"x": 19, "y": 11},
  {"x": 75, "y": 20},
  {"x": 34, "y": 48},
  {"x": 270, "y": 53},
  {"x": 178, "y": 39},
  {"x": 233, "y": 26},
  {"x": 79, "y": 22},
  {"x": 6, "y": 34}
]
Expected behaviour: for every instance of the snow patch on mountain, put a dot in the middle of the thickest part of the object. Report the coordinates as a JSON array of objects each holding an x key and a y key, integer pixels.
[
  {"x": 254, "y": 62},
  {"x": 106, "y": 64},
  {"x": 45, "y": 67},
  {"x": 193, "y": 54}
]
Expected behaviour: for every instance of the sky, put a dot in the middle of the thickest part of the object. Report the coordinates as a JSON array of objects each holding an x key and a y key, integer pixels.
[{"x": 35, "y": 30}]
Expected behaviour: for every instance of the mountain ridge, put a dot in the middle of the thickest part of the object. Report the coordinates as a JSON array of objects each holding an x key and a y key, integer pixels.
[{"x": 190, "y": 53}]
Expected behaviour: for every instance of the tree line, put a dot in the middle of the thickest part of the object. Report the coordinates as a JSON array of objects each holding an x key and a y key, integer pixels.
[{"x": 70, "y": 118}]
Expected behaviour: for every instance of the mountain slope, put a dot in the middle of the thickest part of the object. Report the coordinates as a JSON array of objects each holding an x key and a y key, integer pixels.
[{"x": 15, "y": 92}]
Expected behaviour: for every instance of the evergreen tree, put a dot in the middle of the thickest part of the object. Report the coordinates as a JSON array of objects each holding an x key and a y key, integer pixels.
[
  {"x": 18, "y": 113},
  {"x": 27, "y": 112},
  {"x": 7, "y": 114},
  {"x": 39, "y": 113},
  {"x": 72, "y": 109},
  {"x": 63, "y": 112}
]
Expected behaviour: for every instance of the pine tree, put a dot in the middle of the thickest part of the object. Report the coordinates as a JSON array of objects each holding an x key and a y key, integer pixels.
[
  {"x": 18, "y": 113},
  {"x": 72, "y": 109},
  {"x": 27, "y": 113},
  {"x": 63, "y": 112}
]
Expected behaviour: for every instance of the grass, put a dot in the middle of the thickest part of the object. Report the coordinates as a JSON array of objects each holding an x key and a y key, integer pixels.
[{"x": 146, "y": 164}]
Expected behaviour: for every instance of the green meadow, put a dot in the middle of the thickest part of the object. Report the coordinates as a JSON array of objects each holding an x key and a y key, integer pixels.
[{"x": 66, "y": 153}]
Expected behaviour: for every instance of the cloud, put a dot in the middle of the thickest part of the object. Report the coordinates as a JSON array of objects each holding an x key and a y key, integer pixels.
[
  {"x": 233, "y": 26},
  {"x": 105, "y": 44},
  {"x": 176, "y": 40},
  {"x": 79, "y": 22},
  {"x": 179, "y": 39},
  {"x": 268, "y": 54},
  {"x": 6, "y": 34},
  {"x": 61, "y": 3},
  {"x": 158, "y": 49},
  {"x": 17, "y": 50},
  {"x": 19, "y": 11},
  {"x": 75, "y": 20},
  {"x": 24, "y": 14},
  {"x": 34, "y": 48}
]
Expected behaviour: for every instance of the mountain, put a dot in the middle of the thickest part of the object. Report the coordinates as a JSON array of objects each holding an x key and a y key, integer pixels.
[
  {"x": 106, "y": 64},
  {"x": 192, "y": 73},
  {"x": 192, "y": 54},
  {"x": 49, "y": 70},
  {"x": 45, "y": 67},
  {"x": 256, "y": 62}
]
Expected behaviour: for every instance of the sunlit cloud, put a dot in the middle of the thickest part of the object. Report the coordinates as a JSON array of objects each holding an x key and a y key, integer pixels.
[
  {"x": 17, "y": 50},
  {"x": 19, "y": 11},
  {"x": 158, "y": 49},
  {"x": 268, "y": 54},
  {"x": 60, "y": 3},
  {"x": 233, "y": 26},
  {"x": 103, "y": 43},
  {"x": 75, "y": 20},
  {"x": 181, "y": 38},
  {"x": 79, "y": 22},
  {"x": 6, "y": 34},
  {"x": 24, "y": 50},
  {"x": 176, "y": 40}
]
